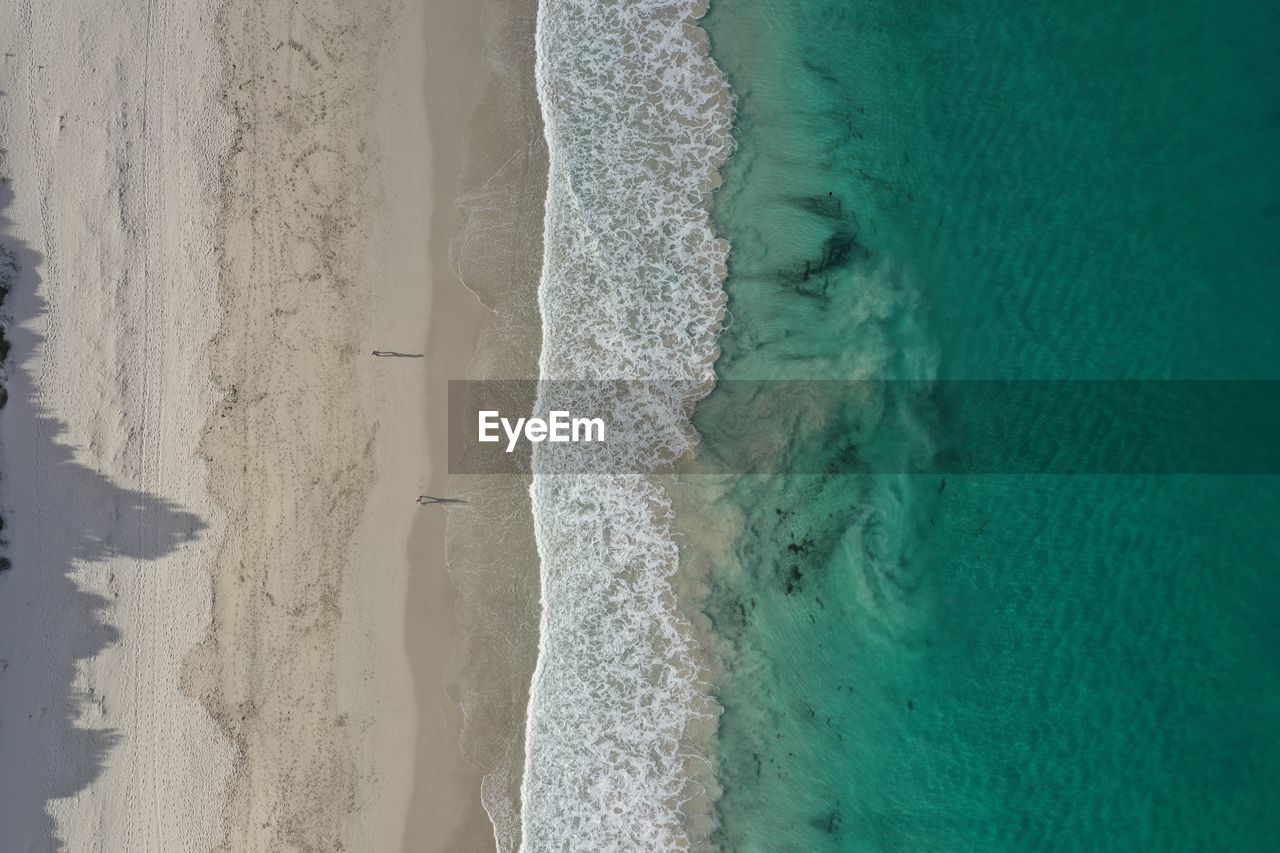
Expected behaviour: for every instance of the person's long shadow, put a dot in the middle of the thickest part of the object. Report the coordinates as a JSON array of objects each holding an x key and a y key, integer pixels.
[{"x": 62, "y": 519}]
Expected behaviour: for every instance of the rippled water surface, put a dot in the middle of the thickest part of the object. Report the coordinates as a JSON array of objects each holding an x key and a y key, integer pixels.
[{"x": 992, "y": 190}]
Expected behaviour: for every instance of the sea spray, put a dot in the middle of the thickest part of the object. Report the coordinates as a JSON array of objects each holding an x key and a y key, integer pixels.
[{"x": 637, "y": 120}]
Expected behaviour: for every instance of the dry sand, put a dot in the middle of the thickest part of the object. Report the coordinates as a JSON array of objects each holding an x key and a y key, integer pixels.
[
  {"x": 112, "y": 134},
  {"x": 314, "y": 453}
]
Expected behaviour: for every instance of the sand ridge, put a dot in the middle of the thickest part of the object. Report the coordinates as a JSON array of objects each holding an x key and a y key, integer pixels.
[{"x": 291, "y": 448}]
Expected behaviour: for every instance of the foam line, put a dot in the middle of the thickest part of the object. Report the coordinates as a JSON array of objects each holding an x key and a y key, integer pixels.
[{"x": 637, "y": 120}]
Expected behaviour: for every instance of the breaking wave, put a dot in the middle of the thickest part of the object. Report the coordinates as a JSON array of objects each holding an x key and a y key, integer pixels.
[{"x": 637, "y": 121}]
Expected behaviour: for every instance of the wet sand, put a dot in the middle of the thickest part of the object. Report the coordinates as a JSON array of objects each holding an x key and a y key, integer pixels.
[{"x": 472, "y": 630}]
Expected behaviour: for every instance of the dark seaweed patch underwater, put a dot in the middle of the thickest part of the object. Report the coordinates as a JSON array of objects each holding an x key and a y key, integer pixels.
[{"x": 990, "y": 662}]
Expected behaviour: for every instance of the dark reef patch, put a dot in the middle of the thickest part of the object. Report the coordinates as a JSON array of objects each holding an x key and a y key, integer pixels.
[
  {"x": 812, "y": 276},
  {"x": 828, "y": 206}
]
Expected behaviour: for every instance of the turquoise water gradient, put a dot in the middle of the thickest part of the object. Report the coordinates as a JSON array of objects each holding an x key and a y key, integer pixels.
[{"x": 973, "y": 190}]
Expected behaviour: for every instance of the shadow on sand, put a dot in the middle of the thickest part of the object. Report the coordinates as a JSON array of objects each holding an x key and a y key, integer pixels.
[{"x": 63, "y": 519}]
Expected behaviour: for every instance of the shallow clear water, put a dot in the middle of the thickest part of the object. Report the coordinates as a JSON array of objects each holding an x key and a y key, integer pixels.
[{"x": 993, "y": 662}]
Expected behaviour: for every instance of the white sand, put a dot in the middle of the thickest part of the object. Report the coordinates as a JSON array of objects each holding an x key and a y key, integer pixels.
[
  {"x": 311, "y": 452},
  {"x": 139, "y": 710},
  {"x": 113, "y": 134}
]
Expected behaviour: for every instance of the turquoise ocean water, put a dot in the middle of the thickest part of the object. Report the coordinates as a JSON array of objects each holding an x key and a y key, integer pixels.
[{"x": 1018, "y": 190}]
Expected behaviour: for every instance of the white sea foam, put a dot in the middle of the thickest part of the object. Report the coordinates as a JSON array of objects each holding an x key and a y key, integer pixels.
[{"x": 637, "y": 121}]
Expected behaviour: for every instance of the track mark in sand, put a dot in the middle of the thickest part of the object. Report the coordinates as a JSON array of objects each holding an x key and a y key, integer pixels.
[
  {"x": 306, "y": 54},
  {"x": 151, "y": 461},
  {"x": 293, "y": 293}
]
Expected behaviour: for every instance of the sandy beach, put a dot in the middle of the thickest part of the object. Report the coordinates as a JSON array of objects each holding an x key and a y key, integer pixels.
[
  {"x": 112, "y": 136},
  {"x": 227, "y": 621},
  {"x": 490, "y": 161}
]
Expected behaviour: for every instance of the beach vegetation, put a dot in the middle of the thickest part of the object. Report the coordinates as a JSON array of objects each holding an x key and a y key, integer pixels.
[{"x": 8, "y": 272}]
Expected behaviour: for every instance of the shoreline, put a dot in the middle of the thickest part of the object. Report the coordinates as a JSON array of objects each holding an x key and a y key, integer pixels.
[
  {"x": 621, "y": 709},
  {"x": 471, "y": 593},
  {"x": 443, "y": 800}
]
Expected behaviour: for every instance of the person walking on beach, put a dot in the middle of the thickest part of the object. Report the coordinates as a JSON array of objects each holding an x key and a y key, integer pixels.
[{"x": 428, "y": 500}]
